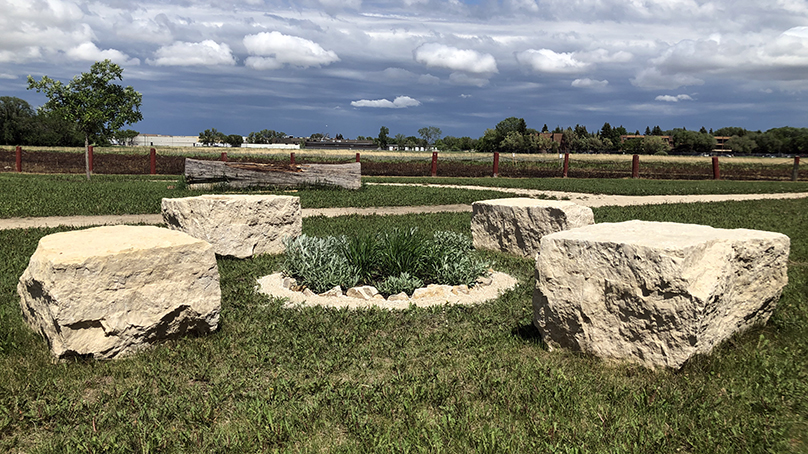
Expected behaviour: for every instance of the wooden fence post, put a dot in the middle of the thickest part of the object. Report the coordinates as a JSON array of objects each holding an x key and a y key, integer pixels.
[
  {"x": 635, "y": 166},
  {"x": 496, "y": 164},
  {"x": 434, "y": 163},
  {"x": 153, "y": 161},
  {"x": 716, "y": 170},
  {"x": 223, "y": 157},
  {"x": 293, "y": 159},
  {"x": 18, "y": 159},
  {"x": 566, "y": 165},
  {"x": 357, "y": 157},
  {"x": 795, "y": 173},
  {"x": 90, "y": 158}
]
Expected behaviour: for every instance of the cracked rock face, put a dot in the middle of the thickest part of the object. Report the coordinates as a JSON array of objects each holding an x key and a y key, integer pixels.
[
  {"x": 655, "y": 293},
  {"x": 106, "y": 292},
  {"x": 237, "y": 225},
  {"x": 516, "y": 225}
]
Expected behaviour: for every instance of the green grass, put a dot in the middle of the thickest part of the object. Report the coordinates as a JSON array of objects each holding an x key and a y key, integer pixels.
[
  {"x": 70, "y": 195},
  {"x": 445, "y": 379},
  {"x": 613, "y": 186}
]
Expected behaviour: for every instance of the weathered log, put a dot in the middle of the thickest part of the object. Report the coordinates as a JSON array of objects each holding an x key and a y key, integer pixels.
[{"x": 201, "y": 174}]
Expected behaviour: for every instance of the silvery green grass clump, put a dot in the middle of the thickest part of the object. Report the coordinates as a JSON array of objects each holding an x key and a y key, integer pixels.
[{"x": 394, "y": 261}]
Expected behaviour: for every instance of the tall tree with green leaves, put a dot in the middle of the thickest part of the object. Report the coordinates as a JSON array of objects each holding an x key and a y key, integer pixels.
[
  {"x": 430, "y": 134},
  {"x": 383, "y": 137},
  {"x": 92, "y": 101},
  {"x": 16, "y": 120}
]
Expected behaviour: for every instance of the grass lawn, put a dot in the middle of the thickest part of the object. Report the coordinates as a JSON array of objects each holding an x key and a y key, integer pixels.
[
  {"x": 612, "y": 186},
  {"x": 446, "y": 379},
  {"x": 70, "y": 195}
]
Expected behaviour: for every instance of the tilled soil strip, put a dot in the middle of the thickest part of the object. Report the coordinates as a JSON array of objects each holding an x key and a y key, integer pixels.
[{"x": 590, "y": 200}]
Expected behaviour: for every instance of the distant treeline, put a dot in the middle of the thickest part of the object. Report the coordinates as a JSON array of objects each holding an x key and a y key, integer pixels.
[{"x": 20, "y": 124}]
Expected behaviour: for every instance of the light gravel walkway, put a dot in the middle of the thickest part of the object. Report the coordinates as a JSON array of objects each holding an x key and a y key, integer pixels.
[
  {"x": 601, "y": 200},
  {"x": 590, "y": 200}
]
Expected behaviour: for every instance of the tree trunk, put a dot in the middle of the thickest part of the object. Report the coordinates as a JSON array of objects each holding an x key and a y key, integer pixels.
[
  {"x": 243, "y": 174},
  {"x": 87, "y": 155}
]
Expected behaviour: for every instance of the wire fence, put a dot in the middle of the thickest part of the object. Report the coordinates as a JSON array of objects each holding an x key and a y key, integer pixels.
[{"x": 511, "y": 165}]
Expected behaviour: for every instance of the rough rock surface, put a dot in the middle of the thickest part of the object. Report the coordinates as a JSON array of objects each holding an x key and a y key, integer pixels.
[
  {"x": 109, "y": 291},
  {"x": 655, "y": 293},
  {"x": 273, "y": 285},
  {"x": 516, "y": 225},
  {"x": 237, "y": 225}
]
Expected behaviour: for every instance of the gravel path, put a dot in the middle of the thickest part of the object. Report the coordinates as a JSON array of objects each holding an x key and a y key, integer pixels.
[{"x": 590, "y": 200}]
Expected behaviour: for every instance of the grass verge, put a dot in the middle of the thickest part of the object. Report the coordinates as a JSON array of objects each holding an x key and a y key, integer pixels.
[
  {"x": 445, "y": 379},
  {"x": 636, "y": 187},
  {"x": 71, "y": 195}
]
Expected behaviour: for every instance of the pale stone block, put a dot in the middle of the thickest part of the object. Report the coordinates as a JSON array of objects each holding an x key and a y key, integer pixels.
[
  {"x": 105, "y": 292},
  {"x": 335, "y": 292},
  {"x": 398, "y": 297},
  {"x": 237, "y": 225},
  {"x": 365, "y": 292},
  {"x": 433, "y": 291},
  {"x": 655, "y": 293},
  {"x": 516, "y": 225}
]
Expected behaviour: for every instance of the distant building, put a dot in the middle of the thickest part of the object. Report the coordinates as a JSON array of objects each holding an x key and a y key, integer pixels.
[
  {"x": 159, "y": 140},
  {"x": 721, "y": 142}
]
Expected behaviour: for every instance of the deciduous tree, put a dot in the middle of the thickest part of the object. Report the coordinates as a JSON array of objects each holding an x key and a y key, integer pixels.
[
  {"x": 383, "y": 137},
  {"x": 430, "y": 134},
  {"x": 92, "y": 101}
]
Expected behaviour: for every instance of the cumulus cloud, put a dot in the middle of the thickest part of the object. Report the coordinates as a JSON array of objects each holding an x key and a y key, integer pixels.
[
  {"x": 206, "y": 53},
  {"x": 653, "y": 78},
  {"x": 548, "y": 61},
  {"x": 400, "y": 102},
  {"x": 35, "y": 30},
  {"x": 428, "y": 79},
  {"x": 458, "y": 78},
  {"x": 604, "y": 56},
  {"x": 441, "y": 56},
  {"x": 274, "y": 49},
  {"x": 669, "y": 98},
  {"x": 91, "y": 52},
  {"x": 589, "y": 83}
]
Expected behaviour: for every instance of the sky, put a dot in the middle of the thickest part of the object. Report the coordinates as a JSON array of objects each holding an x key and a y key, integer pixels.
[{"x": 352, "y": 66}]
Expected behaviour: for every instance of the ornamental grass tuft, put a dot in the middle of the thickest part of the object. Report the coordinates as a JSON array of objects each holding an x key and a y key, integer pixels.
[{"x": 394, "y": 261}]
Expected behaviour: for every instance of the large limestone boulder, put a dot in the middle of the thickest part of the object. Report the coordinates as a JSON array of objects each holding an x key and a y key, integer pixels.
[
  {"x": 655, "y": 293},
  {"x": 105, "y": 292},
  {"x": 237, "y": 225},
  {"x": 516, "y": 225}
]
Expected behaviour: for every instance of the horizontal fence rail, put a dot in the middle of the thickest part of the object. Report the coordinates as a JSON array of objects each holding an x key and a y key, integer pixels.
[{"x": 424, "y": 164}]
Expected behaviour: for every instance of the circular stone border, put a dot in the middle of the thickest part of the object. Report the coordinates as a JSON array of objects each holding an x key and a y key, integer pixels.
[{"x": 272, "y": 285}]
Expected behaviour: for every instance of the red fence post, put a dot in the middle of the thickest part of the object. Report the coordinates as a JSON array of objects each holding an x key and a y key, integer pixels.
[
  {"x": 293, "y": 159},
  {"x": 434, "y": 163},
  {"x": 357, "y": 157},
  {"x": 496, "y": 164},
  {"x": 153, "y": 161},
  {"x": 635, "y": 166},
  {"x": 716, "y": 170},
  {"x": 90, "y": 158},
  {"x": 795, "y": 173},
  {"x": 566, "y": 165},
  {"x": 18, "y": 159},
  {"x": 223, "y": 157}
]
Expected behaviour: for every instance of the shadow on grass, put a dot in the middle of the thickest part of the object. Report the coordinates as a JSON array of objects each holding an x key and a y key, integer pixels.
[{"x": 529, "y": 333}]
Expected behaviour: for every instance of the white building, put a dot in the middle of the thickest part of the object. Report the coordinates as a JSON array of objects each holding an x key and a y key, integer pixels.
[{"x": 158, "y": 140}]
